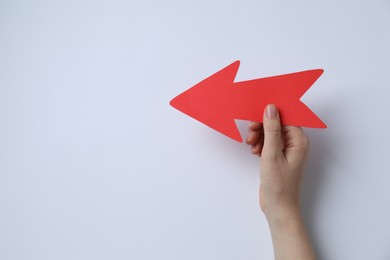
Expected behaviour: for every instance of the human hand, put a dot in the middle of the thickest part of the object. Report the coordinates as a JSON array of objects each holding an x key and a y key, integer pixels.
[{"x": 283, "y": 151}]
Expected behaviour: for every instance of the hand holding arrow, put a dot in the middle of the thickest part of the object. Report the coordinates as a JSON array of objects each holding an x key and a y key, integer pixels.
[{"x": 218, "y": 100}]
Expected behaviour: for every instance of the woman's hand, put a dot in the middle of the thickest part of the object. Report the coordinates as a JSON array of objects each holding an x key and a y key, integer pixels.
[{"x": 283, "y": 151}]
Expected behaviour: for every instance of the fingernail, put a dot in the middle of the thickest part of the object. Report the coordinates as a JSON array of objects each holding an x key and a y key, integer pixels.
[
  {"x": 248, "y": 140},
  {"x": 271, "y": 111}
]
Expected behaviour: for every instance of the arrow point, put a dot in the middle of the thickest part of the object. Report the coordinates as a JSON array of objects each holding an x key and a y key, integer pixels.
[
  {"x": 203, "y": 101},
  {"x": 173, "y": 102}
]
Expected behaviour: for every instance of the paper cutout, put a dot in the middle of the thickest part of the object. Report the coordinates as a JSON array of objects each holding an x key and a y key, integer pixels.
[{"x": 218, "y": 100}]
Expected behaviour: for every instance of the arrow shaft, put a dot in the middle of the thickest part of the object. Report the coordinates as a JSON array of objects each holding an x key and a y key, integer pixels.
[
  {"x": 255, "y": 95},
  {"x": 249, "y": 98}
]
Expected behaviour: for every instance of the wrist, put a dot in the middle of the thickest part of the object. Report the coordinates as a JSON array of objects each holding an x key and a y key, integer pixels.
[{"x": 283, "y": 214}]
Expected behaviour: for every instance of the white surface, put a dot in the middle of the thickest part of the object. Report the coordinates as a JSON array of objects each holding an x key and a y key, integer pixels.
[{"x": 94, "y": 164}]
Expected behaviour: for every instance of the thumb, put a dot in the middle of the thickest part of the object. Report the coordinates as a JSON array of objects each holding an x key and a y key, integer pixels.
[{"x": 273, "y": 146}]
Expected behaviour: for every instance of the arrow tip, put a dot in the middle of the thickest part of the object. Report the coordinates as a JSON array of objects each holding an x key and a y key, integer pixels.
[{"x": 205, "y": 103}]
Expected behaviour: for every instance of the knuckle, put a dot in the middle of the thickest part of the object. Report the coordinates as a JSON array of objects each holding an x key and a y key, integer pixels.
[{"x": 272, "y": 127}]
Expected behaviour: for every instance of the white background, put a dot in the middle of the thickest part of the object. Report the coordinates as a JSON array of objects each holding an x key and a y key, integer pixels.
[{"x": 95, "y": 164}]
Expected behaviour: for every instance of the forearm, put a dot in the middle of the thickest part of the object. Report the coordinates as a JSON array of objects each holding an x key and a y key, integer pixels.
[{"x": 289, "y": 237}]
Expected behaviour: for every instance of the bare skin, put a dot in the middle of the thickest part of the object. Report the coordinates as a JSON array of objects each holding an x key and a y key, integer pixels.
[{"x": 283, "y": 151}]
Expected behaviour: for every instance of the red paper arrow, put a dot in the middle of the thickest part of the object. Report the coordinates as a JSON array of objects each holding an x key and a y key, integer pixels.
[{"x": 218, "y": 100}]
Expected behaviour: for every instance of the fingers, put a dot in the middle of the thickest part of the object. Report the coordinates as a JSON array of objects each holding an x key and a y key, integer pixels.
[
  {"x": 271, "y": 140},
  {"x": 258, "y": 147},
  {"x": 255, "y": 137},
  {"x": 296, "y": 137},
  {"x": 296, "y": 143},
  {"x": 266, "y": 138},
  {"x": 255, "y": 126},
  {"x": 273, "y": 145},
  {"x": 254, "y": 130}
]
